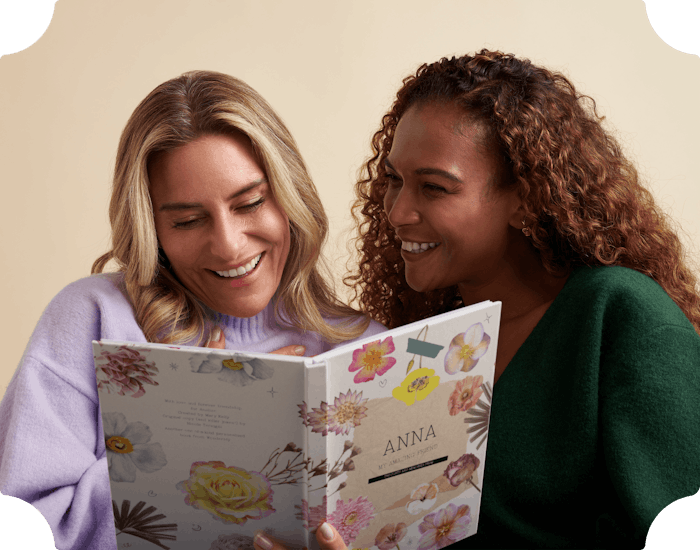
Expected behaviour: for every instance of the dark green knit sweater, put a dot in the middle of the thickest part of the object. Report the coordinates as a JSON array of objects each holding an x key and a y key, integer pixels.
[{"x": 595, "y": 423}]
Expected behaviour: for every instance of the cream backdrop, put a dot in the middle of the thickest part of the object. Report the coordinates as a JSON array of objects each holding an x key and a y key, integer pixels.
[{"x": 330, "y": 68}]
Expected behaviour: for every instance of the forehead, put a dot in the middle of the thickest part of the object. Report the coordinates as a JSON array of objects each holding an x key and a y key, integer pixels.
[
  {"x": 209, "y": 152},
  {"x": 210, "y": 160},
  {"x": 440, "y": 134}
]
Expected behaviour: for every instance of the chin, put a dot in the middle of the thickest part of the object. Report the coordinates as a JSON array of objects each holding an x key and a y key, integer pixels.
[{"x": 418, "y": 285}]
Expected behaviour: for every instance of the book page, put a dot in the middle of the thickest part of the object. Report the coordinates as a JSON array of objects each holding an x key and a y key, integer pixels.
[
  {"x": 203, "y": 446},
  {"x": 406, "y": 426}
]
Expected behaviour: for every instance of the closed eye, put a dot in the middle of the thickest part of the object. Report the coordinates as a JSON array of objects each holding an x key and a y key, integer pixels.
[
  {"x": 187, "y": 224},
  {"x": 392, "y": 179},
  {"x": 434, "y": 189},
  {"x": 251, "y": 207}
]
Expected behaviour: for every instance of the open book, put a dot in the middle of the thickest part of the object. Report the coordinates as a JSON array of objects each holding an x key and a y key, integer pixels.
[{"x": 385, "y": 438}]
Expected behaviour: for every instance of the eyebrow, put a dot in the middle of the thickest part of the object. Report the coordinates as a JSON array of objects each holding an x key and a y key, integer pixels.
[
  {"x": 428, "y": 172},
  {"x": 176, "y": 206}
]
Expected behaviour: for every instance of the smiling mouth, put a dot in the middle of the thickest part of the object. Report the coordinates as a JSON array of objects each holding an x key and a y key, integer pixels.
[
  {"x": 417, "y": 248},
  {"x": 241, "y": 271}
]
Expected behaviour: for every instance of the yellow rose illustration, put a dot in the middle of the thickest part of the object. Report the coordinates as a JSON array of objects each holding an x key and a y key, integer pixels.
[
  {"x": 230, "y": 494},
  {"x": 416, "y": 386}
]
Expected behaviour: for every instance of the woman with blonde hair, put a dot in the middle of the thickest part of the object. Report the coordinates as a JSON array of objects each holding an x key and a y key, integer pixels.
[
  {"x": 493, "y": 178},
  {"x": 216, "y": 235}
]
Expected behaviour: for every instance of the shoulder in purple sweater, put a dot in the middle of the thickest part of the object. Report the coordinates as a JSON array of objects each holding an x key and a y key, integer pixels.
[{"x": 52, "y": 454}]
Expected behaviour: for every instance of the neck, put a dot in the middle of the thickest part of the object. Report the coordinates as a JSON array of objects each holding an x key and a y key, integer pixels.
[{"x": 521, "y": 283}]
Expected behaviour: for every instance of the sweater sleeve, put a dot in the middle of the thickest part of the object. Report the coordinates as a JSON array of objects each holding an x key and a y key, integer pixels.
[
  {"x": 650, "y": 426},
  {"x": 52, "y": 454},
  {"x": 48, "y": 457}
]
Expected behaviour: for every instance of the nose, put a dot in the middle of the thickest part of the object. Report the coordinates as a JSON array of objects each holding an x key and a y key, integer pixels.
[
  {"x": 401, "y": 206},
  {"x": 227, "y": 238}
]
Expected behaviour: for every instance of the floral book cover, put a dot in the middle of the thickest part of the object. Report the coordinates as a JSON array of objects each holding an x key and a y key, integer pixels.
[{"x": 384, "y": 437}]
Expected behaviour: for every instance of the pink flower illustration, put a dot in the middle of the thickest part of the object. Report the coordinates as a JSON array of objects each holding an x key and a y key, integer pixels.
[
  {"x": 303, "y": 414},
  {"x": 465, "y": 395},
  {"x": 349, "y": 519},
  {"x": 466, "y": 349},
  {"x": 390, "y": 536},
  {"x": 317, "y": 418},
  {"x": 444, "y": 527},
  {"x": 234, "y": 541},
  {"x": 313, "y": 517},
  {"x": 371, "y": 360},
  {"x": 462, "y": 469},
  {"x": 125, "y": 372},
  {"x": 346, "y": 412}
]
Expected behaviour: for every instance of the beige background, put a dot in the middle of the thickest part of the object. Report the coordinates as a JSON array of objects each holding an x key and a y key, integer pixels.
[{"x": 330, "y": 68}]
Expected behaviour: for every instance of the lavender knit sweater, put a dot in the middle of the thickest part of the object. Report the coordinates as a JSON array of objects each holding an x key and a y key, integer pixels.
[{"x": 52, "y": 453}]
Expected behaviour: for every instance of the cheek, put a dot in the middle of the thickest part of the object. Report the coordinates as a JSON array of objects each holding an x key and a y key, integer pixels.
[
  {"x": 180, "y": 254},
  {"x": 389, "y": 199},
  {"x": 279, "y": 233}
]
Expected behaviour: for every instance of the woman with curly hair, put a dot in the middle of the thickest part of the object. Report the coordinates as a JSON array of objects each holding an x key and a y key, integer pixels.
[
  {"x": 492, "y": 178},
  {"x": 216, "y": 233}
]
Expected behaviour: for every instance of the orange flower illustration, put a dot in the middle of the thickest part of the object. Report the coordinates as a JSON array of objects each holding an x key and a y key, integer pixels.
[{"x": 466, "y": 394}]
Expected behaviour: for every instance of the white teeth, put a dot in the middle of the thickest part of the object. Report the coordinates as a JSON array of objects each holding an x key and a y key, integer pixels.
[
  {"x": 237, "y": 272},
  {"x": 417, "y": 247}
]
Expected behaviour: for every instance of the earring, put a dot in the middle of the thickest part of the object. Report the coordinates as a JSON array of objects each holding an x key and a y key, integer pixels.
[{"x": 526, "y": 230}]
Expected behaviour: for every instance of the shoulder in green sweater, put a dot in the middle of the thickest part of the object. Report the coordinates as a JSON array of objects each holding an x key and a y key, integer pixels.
[{"x": 595, "y": 423}]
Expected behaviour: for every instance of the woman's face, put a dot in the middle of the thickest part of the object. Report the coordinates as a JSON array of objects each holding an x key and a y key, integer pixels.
[
  {"x": 219, "y": 224},
  {"x": 454, "y": 225}
]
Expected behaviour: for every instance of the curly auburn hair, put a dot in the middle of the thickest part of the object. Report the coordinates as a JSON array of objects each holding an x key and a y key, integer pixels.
[{"x": 582, "y": 199}]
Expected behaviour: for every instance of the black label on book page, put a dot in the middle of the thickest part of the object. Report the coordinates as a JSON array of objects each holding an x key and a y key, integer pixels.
[{"x": 409, "y": 469}]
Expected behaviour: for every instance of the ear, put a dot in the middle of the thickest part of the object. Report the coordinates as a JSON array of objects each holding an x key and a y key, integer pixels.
[{"x": 518, "y": 212}]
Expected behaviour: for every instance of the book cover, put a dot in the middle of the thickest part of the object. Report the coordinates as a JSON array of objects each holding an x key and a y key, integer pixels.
[{"x": 383, "y": 437}]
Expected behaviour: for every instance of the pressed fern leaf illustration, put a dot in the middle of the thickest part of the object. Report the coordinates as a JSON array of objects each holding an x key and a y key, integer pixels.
[
  {"x": 478, "y": 417},
  {"x": 140, "y": 522}
]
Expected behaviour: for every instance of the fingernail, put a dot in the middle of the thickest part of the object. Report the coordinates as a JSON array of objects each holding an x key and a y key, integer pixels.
[
  {"x": 215, "y": 335},
  {"x": 262, "y": 541},
  {"x": 327, "y": 531},
  {"x": 299, "y": 350}
]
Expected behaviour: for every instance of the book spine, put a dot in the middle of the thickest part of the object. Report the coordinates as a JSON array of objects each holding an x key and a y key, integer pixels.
[
  {"x": 315, "y": 446},
  {"x": 307, "y": 453}
]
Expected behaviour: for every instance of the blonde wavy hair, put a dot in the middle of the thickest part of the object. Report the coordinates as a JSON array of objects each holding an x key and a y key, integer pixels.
[
  {"x": 582, "y": 199},
  {"x": 176, "y": 113}
]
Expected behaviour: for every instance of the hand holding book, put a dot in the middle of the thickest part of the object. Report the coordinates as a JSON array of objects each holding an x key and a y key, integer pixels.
[{"x": 327, "y": 536}]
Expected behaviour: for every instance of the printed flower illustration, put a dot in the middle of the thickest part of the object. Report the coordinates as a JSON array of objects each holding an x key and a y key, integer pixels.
[
  {"x": 466, "y": 349},
  {"x": 478, "y": 417},
  {"x": 372, "y": 360},
  {"x": 128, "y": 448},
  {"x": 303, "y": 414},
  {"x": 465, "y": 395},
  {"x": 462, "y": 469},
  {"x": 422, "y": 498},
  {"x": 444, "y": 527},
  {"x": 317, "y": 419},
  {"x": 313, "y": 517},
  {"x": 390, "y": 536},
  {"x": 140, "y": 521},
  {"x": 230, "y": 494},
  {"x": 234, "y": 541},
  {"x": 346, "y": 412},
  {"x": 416, "y": 386},
  {"x": 125, "y": 372},
  {"x": 349, "y": 519},
  {"x": 239, "y": 370}
]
